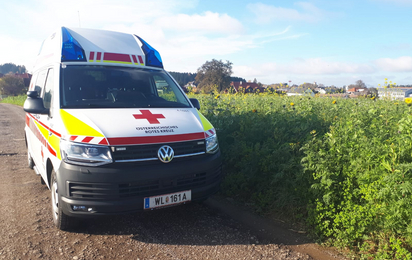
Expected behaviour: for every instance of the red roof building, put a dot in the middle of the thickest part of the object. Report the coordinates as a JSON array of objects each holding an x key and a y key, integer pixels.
[{"x": 248, "y": 87}]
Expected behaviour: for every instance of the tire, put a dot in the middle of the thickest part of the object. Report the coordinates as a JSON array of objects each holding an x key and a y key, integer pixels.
[
  {"x": 30, "y": 162},
  {"x": 61, "y": 221}
]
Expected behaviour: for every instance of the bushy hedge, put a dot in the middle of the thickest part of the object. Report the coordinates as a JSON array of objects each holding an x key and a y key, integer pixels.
[{"x": 344, "y": 166}]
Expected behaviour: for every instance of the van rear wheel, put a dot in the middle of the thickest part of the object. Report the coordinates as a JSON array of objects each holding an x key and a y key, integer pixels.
[{"x": 61, "y": 221}]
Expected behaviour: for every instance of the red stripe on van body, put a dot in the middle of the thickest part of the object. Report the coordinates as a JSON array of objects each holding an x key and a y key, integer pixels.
[
  {"x": 98, "y": 56},
  {"x": 103, "y": 142},
  {"x": 45, "y": 126},
  {"x": 91, "y": 57},
  {"x": 134, "y": 58},
  {"x": 155, "y": 139},
  {"x": 53, "y": 152},
  {"x": 116, "y": 57},
  {"x": 87, "y": 139},
  {"x": 140, "y": 59}
]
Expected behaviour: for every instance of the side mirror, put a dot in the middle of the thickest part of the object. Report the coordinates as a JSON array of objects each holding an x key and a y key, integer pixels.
[
  {"x": 195, "y": 103},
  {"x": 34, "y": 104}
]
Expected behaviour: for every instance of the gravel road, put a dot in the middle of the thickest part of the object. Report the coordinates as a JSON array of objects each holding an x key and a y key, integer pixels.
[{"x": 212, "y": 230}]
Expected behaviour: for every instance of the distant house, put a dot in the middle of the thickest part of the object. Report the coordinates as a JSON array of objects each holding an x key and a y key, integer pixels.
[
  {"x": 247, "y": 87},
  {"x": 300, "y": 91},
  {"x": 320, "y": 90},
  {"x": 395, "y": 93},
  {"x": 356, "y": 89}
]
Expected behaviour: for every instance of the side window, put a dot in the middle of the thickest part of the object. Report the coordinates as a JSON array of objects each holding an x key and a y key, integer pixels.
[
  {"x": 48, "y": 89},
  {"x": 40, "y": 81},
  {"x": 163, "y": 89}
]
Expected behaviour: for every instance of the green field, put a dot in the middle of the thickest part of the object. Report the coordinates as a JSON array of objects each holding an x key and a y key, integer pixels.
[
  {"x": 342, "y": 167},
  {"x": 17, "y": 100}
]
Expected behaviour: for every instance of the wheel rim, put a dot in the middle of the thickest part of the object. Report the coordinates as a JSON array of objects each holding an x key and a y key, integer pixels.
[{"x": 55, "y": 200}]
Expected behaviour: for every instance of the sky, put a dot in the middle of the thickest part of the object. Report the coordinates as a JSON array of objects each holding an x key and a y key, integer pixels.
[{"x": 330, "y": 42}]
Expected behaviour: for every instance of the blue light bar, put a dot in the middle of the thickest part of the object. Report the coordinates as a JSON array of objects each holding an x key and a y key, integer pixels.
[
  {"x": 152, "y": 55},
  {"x": 71, "y": 49}
]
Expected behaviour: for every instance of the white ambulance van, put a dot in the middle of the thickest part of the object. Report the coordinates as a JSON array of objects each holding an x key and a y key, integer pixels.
[{"x": 110, "y": 131}]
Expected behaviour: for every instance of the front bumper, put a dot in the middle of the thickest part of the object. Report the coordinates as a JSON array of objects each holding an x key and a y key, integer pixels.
[{"x": 121, "y": 187}]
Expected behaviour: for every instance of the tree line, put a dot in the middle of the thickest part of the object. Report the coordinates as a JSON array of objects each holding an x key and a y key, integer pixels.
[
  {"x": 10, "y": 84},
  {"x": 12, "y": 68}
]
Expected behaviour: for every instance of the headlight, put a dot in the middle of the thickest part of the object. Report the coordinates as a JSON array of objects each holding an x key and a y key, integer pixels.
[
  {"x": 85, "y": 154},
  {"x": 211, "y": 144}
]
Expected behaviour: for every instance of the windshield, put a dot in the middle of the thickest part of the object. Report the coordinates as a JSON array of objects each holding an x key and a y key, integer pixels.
[{"x": 119, "y": 87}]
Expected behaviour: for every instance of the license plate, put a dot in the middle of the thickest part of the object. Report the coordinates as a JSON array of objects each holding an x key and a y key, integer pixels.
[{"x": 167, "y": 199}]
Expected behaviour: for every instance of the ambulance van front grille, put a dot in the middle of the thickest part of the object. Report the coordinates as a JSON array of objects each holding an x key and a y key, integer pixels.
[
  {"x": 135, "y": 153},
  {"x": 107, "y": 191}
]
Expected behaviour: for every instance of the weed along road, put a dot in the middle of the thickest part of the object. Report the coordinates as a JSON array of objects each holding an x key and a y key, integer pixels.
[{"x": 193, "y": 231}]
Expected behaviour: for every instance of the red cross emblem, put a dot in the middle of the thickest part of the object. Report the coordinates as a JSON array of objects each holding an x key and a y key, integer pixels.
[{"x": 152, "y": 118}]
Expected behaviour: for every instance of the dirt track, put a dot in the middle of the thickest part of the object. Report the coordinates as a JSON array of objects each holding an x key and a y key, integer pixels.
[{"x": 213, "y": 230}]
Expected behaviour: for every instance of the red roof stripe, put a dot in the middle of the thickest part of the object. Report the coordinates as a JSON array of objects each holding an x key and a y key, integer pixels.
[
  {"x": 116, "y": 57},
  {"x": 99, "y": 56},
  {"x": 91, "y": 57},
  {"x": 140, "y": 59},
  {"x": 155, "y": 139},
  {"x": 134, "y": 58}
]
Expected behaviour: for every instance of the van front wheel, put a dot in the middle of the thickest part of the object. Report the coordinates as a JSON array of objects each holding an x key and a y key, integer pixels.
[
  {"x": 30, "y": 162},
  {"x": 61, "y": 221}
]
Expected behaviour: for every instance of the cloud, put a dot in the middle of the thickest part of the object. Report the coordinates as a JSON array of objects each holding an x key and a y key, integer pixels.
[
  {"x": 208, "y": 22},
  {"x": 401, "y": 64},
  {"x": 267, "y": 13}
]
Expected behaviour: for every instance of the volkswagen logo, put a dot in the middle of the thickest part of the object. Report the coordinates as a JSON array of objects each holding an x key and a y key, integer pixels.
[{"x": 165, "y": 154}]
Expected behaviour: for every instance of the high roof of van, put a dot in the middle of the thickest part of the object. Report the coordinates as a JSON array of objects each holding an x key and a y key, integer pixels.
[{"x": 97, "y": 47}]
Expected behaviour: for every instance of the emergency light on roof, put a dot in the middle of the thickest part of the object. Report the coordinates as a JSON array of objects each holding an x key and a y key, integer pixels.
[
  {"x": 71, "y": 49},
  {"x": 152, "y": 55}
]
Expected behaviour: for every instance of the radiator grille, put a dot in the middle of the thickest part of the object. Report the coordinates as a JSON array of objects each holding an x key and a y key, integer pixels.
[{"x": 149, "y": 152}]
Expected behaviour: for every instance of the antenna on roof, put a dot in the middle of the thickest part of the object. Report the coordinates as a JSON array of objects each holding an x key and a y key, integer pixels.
[{"x": 78, "y": 13}]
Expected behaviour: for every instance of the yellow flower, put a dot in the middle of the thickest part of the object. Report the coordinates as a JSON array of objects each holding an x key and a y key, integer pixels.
[
  {"x": 217, "y": 96},
  {"x": 313, "y": 132},
  {"x": 386, "y": 79},
  {"x": 408, "y": 100},
  {"x": 334, "y": 102},
  {"x": 292, "y": 104},
  {"x": 254, "y": 110},
  {"x": 372, "y": 98}
]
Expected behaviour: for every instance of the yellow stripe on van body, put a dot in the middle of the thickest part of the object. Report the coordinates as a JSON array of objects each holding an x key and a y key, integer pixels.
[
  {"x": 206, "y": 124},
  {"x": 54, "y": 142},
  {"x": 44, "y": 132},
  {"x": 75, "y": 126}
]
